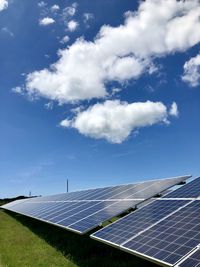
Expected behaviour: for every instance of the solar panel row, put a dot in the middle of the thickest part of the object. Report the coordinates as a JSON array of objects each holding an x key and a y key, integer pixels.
[
  {"x": 142, "y": 190},
  {"x": 84, "y": 210}
]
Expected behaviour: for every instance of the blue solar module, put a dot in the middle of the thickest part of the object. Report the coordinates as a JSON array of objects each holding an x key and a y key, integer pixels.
[
  {"x": 132, "y": 224},
  {"x": 193, "y": 260},
  {"x": 190, "y": 190},
  {"x": 100, "y": 216},
  {"x": 170, "y": 239},
  {"x": 83, "y": 210}
]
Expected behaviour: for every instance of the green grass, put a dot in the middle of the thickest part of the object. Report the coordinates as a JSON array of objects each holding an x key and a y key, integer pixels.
[{"x": 25, "y": 242}]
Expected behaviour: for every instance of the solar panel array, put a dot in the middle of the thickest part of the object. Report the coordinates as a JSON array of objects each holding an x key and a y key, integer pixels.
[
  {"x": 164, "y": 231},
  {"x": 84, "y": 210}
]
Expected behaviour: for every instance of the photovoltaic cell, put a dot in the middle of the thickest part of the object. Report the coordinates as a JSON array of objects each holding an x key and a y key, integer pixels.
[
  {"x": 83, "y": 210},
  {"x": 190, "y": 190},
  {"x": 192, "y": 261},
  {"x": 171, "y": 239},
  {"x": 132, "y": 224}
]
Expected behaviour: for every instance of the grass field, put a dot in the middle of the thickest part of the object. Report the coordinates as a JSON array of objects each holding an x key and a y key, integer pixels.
[{"x": 25, "y": 242}]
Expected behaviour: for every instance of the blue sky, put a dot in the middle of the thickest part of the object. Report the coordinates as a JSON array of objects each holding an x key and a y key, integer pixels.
[{"x": 120, "y": 103}]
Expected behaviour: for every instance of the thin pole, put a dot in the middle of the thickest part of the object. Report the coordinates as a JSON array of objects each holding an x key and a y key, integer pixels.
[{"x": 67, "y": 186}]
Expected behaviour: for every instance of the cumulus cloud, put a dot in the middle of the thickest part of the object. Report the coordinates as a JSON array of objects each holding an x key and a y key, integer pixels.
[
  {"x": 191, "y": 73},
  {"x": 114, "y": 120},
  {"x": 72, "y": 25},
  {"x": 46, "y": 21},
  {"x": 3, "y": 4},
  {"x": 119, "y": 53}
]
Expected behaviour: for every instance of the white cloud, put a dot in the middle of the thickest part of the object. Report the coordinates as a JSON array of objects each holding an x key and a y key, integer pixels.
[
  {"x": 3, "y": 4},
  {"x": 114, "y": 91},
  {"x": 119, "y": 53},
  {"x": 72, "y": 25},
  {"x": 46, "y": 21},
  {"x": 7, "y": 31},
  {"x": 174, "y": 110},
  {"x": 124, "y": 69},
  {"x": 87, "y": 17},
  {"x": 17, "y": 90},
  {"x": 77, "y": 109},
  {"x": 49, "y": 105},
  {"x": 115, "y": 120},
  {"x": 192, "y": 71},
  {"x": 69, "y": 12},
  {"x": 42, "y": 4},
  {"x": 65, "y": 123},
  {"x": 55, "y": 8},
  {"x": 65, "y": 39}
]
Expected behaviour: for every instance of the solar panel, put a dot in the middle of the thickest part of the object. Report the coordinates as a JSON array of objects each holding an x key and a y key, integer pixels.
[
  {"x": 13, "y": 203},
  {"x": 170, "y": 239},
  {"x": 127, "y": 227},
  {"x": 84, "y": 210},
  {"x": 190, "y": 190},
  {"x": 193, "y": 260}
]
